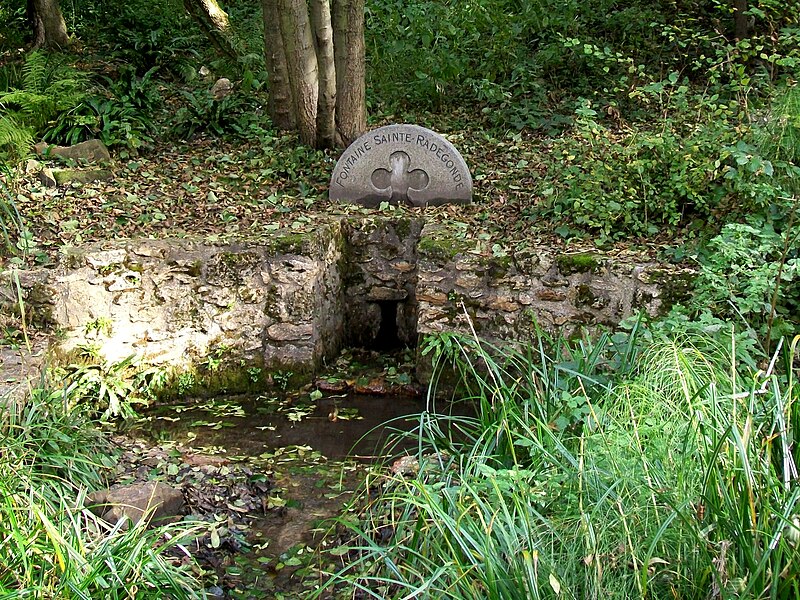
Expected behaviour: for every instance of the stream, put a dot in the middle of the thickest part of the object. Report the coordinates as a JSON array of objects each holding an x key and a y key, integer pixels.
[{"x": 266, "y": 472}]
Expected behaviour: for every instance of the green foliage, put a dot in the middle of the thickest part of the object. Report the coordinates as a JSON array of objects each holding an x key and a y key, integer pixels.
[
  {"x": 698, "y": 167},
  {"x": 672, "y": 484},
  {"x": 778, "y": 136},
  {"x": 11, "y": 224},
  {"x": 740, "y": 271},
  {"x": 49, "y": 88},
  {"x": 701, "y": 48},
  {"x": 15, "y": 140},
  {"x": 13, "y": 26},
  {"x": 233, "y": 114},
  {"x": 142, "y": 33},
  {"x": 109, "y": 389},
  {"x": 639, "y": 182},
  {"x": 53, "y": 547},
  {"x": 505, "y": 55}
]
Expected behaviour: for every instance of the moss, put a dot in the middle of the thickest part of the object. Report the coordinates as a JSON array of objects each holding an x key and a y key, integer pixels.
[
  {"x": 584, "y": 262},
  {"x": 403, "y": 227},
  {"x": 584, "y": 295},
  {"x": 195, "y": 269},
  {"x": 499, "y": 266},
  {"x": 676, "y": 288},
  {"x": 38, "y": 306},
  {"x": 440, "y": 249},
  {"x": 289, "y": 243},
  {"x": 136, "y": 267},
  {"x": 199, "y": 382},
  {"x": 272, "y": 305},
  {"x": 235, "y": 259},
  {"x": 106, "y": 270},
  {"x": 231, "y": 375}
]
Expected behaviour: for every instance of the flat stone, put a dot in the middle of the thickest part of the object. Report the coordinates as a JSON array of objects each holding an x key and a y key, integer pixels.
[
  {"x": 401, "y": 164},
  {"x": 64, "y": 176},
  {"x": 284, "y": 332},
  {"x": 467, "y": 280},
  {"x": 403, "y": 266},
  {"x": 503, "y": 303},
  {"x": 432, "y": 297},
  {"x": 378, "y": 293},
  {"x": 90, "y": 151},
  {"x": 106, "y": 258},
  {"x": 551, "y": 295},
  {"x": 155, "y": 501}
]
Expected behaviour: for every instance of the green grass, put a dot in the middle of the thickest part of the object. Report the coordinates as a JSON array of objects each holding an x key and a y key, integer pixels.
[
  {"x": 51, "y": 546},
  {"x": 673, "y": 477}
]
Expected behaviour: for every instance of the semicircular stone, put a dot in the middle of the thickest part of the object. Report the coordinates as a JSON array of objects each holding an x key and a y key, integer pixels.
[{"x": 401, "y": 164}]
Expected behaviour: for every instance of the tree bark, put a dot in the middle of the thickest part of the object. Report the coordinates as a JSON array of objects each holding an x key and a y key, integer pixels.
[
  {"x": 315, "y": 57},
  {"x": 323, "y": 38},
  {"x": 214, "y": 23},
  {"x": 740, "y": 25},
  {"x": 301, "y": 60},
  {"x": 47, "y": 23},
  {"x": 281, "y": 103},
  {"x": 350, "y": 59}
]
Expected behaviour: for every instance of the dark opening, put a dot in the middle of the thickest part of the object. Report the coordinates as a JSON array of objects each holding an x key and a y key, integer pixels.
[{"x": 387, "y": 338}]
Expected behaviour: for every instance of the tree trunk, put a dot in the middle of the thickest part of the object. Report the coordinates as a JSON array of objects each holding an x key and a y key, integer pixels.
[
  {"x": 323, "y": 37},
  {"x": 740, "y": 18},
  {"x": 47, "y": 23},
  {"x": 348, "y": 36},
  {"x": 214, "y": 23},
  {"x": 315, "y": 58},
  {"x": 301, "y": 59},
  {"x": 281, "y": 103}
]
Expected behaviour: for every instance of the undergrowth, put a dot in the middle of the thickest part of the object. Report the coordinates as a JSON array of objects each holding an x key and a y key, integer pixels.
[
  {"x": 675, "y": 477},
  {"x": 51, "y": 545}
]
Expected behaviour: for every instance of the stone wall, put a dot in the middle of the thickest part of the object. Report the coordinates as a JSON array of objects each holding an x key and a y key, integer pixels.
[
  {"x": 292, "y": 301},
  {"x": 380, "y": 280},
  {"x": 505, "y": 297},
  {"x": 176, "y": 302}
]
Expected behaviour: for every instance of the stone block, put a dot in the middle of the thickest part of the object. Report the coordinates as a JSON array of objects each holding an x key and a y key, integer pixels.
[{"x": 89, "y": 151}]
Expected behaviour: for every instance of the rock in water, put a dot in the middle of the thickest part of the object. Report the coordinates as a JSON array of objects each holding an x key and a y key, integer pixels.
[{"x": 155, "y": 501}]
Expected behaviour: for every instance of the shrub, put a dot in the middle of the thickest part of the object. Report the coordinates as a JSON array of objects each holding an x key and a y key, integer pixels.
[{"x": 750, "y": 273}]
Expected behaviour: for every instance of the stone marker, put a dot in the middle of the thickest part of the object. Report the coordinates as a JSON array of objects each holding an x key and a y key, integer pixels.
[{"x": 401, "y": 164}]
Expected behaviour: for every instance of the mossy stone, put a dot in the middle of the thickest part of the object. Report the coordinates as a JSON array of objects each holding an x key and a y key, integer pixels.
[
  {"x": 584, "y": 262},
  {"x": 440, "y": 248}
]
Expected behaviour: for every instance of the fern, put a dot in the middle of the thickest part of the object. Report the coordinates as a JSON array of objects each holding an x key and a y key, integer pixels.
[
  {"x": 49, "y": 88},
  {"x": 15, "y": 140}
]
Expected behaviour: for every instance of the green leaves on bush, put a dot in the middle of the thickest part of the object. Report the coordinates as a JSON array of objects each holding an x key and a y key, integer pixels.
[
  {"x": 751, "y": 273},
  {"x": 49, "y": 88}
]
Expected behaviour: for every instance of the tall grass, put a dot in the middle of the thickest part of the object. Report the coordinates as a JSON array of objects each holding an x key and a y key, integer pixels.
[
  {"x": 673, "y": 477},
  {"x": 51, "y": 546}
]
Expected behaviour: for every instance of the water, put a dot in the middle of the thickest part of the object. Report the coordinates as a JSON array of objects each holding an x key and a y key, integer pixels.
[
  {"x": 337, "y": 427},
  {"x": 315, "y": 449}
]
